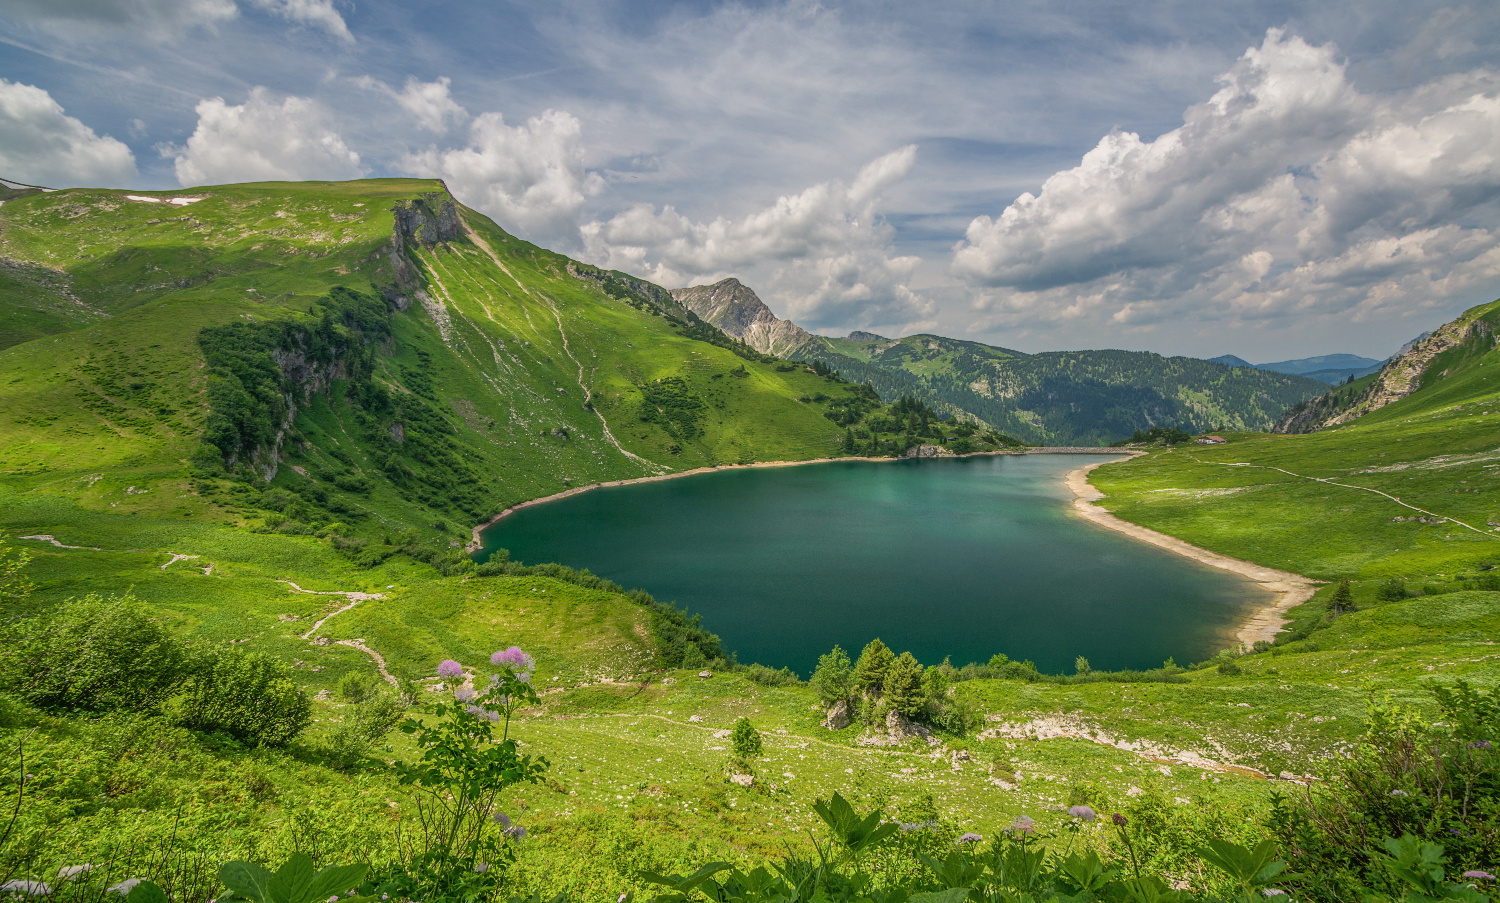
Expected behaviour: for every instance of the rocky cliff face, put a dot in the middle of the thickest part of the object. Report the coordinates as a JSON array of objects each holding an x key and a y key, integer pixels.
[
  {"x": 734, "y": 308},
  {"x": 1400, "y": 377},
  {"x": 426, "y": 220}
]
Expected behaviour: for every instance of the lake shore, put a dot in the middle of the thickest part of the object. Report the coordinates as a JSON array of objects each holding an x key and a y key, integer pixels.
[
  {"x": 1291, "y": 589},
  {"x": 476, "y": 541}
]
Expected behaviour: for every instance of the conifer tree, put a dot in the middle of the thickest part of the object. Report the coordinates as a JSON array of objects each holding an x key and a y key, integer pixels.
[
  {"x": 834, "y": 678},
  {"x": 1343, "y": 598},
  {"x": 869, "y": 672},
  {"x": 745, "y": 742},
  {"x": 903, "y": 685}
]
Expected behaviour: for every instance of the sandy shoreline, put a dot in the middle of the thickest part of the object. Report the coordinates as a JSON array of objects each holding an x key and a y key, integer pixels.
[{"x": 1291, "y": 589}]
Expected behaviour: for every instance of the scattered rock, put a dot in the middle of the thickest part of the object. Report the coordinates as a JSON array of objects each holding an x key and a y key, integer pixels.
[
  {"x": 321, "y": 641},
  {"x": 927, "y": 451},
  {"x": 695, "y": 718},
  {"x": 323, "y": 696},
  {"x": 838, "y": 716},
  {"x": 744, "y": 780},
  {"x": 705, "y": 674}
]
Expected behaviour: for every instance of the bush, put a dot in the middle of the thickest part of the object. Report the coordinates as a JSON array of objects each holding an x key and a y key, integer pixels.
[
  {"x": 834, "y": 677},
  {"x": 1435, "y": 782},
  {"x": 363, "y": 725},
  {"x": 355, "y": 687},
  {"x": 247, "y": 695},
  {"x": 92, "y": 653}
]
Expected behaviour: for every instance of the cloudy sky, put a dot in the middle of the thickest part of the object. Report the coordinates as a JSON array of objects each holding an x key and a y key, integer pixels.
[{"x": 1269, "y": 179}]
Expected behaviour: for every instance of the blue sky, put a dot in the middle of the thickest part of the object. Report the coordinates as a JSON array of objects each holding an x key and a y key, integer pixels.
[{"x": 1269, "y": 179}]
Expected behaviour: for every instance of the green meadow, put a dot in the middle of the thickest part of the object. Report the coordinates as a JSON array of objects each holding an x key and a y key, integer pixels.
[{"x": 508, "y": 379}]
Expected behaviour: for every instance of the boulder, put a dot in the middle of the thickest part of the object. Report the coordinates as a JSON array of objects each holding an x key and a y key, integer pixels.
[
  {"x": 837, "y": 717},
  {"x": 902, "y": 728},
  {"x": 744, "y": 780}
]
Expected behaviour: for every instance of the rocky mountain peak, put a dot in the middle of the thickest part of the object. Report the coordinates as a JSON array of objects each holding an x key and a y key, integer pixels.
[{"x": 734, "y": 307}]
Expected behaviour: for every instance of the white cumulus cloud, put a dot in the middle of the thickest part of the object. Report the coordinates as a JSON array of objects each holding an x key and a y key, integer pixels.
[
  {"x": 263, "y": 140},
  {"x": 430, "y": 103},
  {"x": 315, "y": 13},
  {"x": 823, "y": 255},
  {"x": 529, "y": 178},
  {"x": 41, "y": 144},
  {"x": 1287, "y": 193}
]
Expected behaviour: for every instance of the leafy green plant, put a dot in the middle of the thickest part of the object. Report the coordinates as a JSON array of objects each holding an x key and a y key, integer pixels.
[
  {"x": 745, "y": 744},
  {"x": 462, "y": 770},
  {"x": 297, "y": 881},
  {"x": 247, "y": 695}
]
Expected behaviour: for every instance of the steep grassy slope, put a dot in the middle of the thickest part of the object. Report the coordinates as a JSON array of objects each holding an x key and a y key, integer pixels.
[
  {"x": 468, "y": 371},
  {"x": 1067, "y": 397}
]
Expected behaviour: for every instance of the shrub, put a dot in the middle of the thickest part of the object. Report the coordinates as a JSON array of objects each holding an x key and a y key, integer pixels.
[
  {"x": 745, "y": 743},
  {"x": 355, "y": 687},
  {"x": 834, "y": 677},
  {"x": 1434, "y": 782},
  {"x": 93, "y": 653},
  {"x": 247, "y": 695},
  {"x": 363, "y": 725},
  {"x": 1393, "y": 590}
]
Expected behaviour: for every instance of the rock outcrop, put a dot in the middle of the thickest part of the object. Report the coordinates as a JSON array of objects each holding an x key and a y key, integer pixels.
[
  {"x": 1400, "y": 377},
  {"x": 899, "y": 731},
  {"x": 733, "y": 307},
  {"x": 927, "y": 451},
  {"x": 837, "y": 718}
]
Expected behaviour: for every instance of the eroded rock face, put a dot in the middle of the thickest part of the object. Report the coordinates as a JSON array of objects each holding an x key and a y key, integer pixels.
[
  {"x": 927, "y": 451},
  {"x": 837, "y": 717},
  {"x": 899, "y": 730},
  {"x": 734, "y": 307},
  {"x": 1400, "y": 377}
]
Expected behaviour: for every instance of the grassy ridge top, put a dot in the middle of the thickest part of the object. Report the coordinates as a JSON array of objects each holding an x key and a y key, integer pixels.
[{"x": 1067, "y": 397}]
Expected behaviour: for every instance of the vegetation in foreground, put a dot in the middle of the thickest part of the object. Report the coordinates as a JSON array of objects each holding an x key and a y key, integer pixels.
[{"x": 341, "y": 586}]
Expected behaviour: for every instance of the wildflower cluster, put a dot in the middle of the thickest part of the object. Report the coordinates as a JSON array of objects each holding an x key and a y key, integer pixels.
[{"x": 462, "y": 771}]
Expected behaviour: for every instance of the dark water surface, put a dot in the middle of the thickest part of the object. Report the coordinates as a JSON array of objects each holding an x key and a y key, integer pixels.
[{"x": 960, "y": 558}]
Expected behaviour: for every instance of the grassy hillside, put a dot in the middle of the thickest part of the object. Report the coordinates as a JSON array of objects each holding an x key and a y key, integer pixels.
[
  {"x": 465, "y": 372},
  {"x": 1067, "y": 397},
  {"x": 401, "y": 375}
]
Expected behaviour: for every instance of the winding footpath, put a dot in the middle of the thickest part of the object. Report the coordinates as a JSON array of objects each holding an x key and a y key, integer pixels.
[{"x": 1300, "y": 476}]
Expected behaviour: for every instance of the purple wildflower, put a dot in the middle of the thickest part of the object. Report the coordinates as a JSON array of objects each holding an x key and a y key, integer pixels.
[
  {"x": 1119, "y": 820},
  {"x": 968, "y": 837},
  {"x": 514, "y": 659},
  {"x": 489, "y": 715},
  {"x": 1483, "y": 876},
  {"x": 1082, "y": 813},
  {"x": 501, "y": 819},
  {"x": 464, "y": 694},
  {"x": 515, "y": 832},
  {"x": 449, "y": 668},
  {"x": 1023, "y": 824}
]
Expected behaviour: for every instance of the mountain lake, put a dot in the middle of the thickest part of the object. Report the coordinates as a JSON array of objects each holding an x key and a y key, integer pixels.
[{"x": 958, "y": 558}]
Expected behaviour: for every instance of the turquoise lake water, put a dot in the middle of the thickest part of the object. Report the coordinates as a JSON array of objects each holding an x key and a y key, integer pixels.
[{"x": 959, "y": 558}]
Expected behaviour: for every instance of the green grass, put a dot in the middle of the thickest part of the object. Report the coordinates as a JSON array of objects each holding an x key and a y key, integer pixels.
[{"x": 102, "y": 413}]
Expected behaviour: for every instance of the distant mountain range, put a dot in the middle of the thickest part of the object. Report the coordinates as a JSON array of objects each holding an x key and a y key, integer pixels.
[
  {"x": 1327, "y": 368},
  {"x": 1060, "y": 398}
]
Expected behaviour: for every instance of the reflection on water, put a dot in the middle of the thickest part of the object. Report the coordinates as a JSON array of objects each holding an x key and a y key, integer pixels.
[{"x": 947, "y": 558}]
